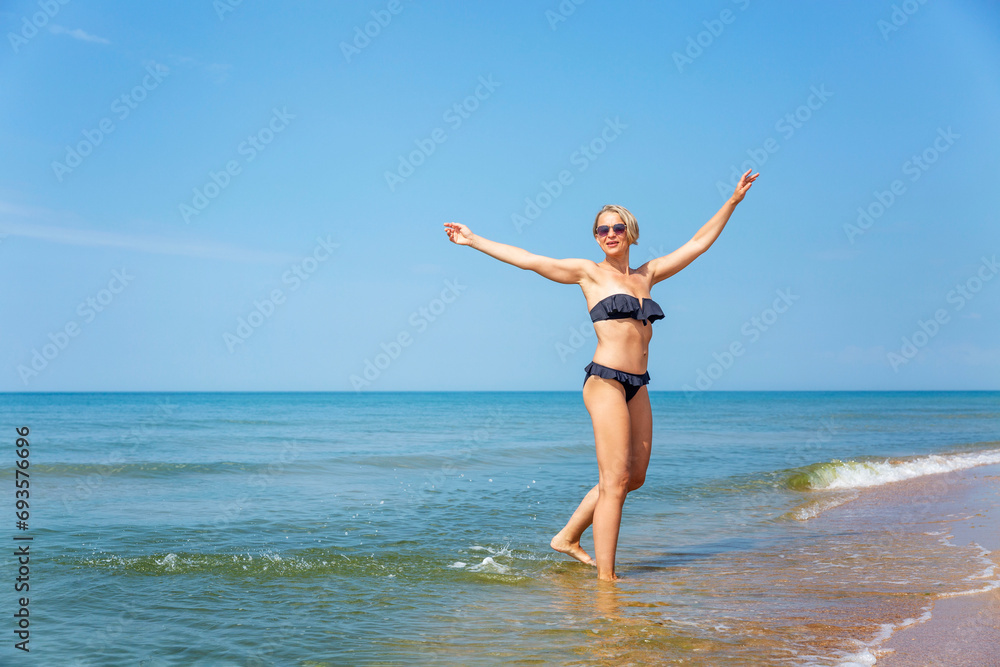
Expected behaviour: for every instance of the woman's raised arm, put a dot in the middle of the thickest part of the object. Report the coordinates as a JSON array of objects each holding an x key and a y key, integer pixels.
[
  {"x": 662, "y": 268},
  {"x": 566, "y": 271}
]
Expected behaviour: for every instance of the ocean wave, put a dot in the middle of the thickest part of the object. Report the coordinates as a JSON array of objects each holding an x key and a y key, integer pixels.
[
  {"x": 855, "y": 474},
  {"x": 867, "y": 655},
  {"x": 160, "y": 468},
  {"x": 262, "y": 564},
  {"x": 816, "y": 506},
  {"x": 268, "y": 563}
]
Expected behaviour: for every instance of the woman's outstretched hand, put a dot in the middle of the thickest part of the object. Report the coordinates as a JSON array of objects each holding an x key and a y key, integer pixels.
[
  {"x": 741, "y": 188},
  {"x": 458, "y": 233}
]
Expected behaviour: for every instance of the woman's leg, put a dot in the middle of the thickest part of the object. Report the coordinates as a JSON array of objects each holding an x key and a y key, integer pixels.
[
  {"x": 641, "y": 419},
  {"x": 567, "y": 540},
  {"x": 605, "y": 401}
]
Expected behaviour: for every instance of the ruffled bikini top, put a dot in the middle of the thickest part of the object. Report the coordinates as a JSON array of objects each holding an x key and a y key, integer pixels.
[{"x": 625, "y": 306}]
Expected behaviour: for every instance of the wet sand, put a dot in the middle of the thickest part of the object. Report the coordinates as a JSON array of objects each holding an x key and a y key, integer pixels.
[
  {"x": 963, "y": 629},
  {"x": 963, "y": 632}
]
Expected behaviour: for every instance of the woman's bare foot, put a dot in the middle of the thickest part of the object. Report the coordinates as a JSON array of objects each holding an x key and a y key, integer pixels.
[{"x": 563, "y": 545}]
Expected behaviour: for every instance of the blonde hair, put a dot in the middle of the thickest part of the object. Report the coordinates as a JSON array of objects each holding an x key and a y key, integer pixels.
[{"x": 631, "y": 224}]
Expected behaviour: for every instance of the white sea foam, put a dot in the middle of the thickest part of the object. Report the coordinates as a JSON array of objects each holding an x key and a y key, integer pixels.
[
  {"x": 862, "y": 659},
  {"x": 490, "y": 565},
  {"x": 502, "y": 551},
  {"x": 169, "y": 561},
  {"x": 989, "y": 569},
  {"x": 859, "y": 474},
  {"x": 814, "y": 508},
  {"x": 985, "y": 589},
  {"x": 866, "y": 656}
]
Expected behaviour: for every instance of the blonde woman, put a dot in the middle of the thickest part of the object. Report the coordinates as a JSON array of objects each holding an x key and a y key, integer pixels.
[{"x": 614, "y": 386}]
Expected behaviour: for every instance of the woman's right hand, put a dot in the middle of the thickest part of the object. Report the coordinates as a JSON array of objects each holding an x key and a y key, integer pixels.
[
  {"x": 746, "y": 180},
  {"x": 458, "y": 233}
]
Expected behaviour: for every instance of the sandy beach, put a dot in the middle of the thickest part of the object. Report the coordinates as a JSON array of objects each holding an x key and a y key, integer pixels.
[{"x": 963, "y": 630}]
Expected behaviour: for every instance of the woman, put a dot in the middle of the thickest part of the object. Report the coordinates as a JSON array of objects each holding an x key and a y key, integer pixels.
[{"x": 614, "y": 387}]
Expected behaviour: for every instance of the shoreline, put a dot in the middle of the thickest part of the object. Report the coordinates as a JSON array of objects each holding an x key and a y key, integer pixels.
[{"x": 963, "y": 629}]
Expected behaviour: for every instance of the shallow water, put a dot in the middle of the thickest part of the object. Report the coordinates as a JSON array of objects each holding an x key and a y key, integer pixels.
[{"x": 413, "y": 527}]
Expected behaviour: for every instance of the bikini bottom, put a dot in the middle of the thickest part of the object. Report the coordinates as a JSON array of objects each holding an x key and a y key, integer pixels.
[{"x": 630, "y": 381}]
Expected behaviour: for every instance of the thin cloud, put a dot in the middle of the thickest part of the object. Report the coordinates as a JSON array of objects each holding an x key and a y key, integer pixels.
[
  {"x": 6, "y": 208},
  {"x": 150, "y": 244},
  {"x": 217, "y": 72},
  {"x": 838, "y": 254},
  {"x": 77, "y": 34}
]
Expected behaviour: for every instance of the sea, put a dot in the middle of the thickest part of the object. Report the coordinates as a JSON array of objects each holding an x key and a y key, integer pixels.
[{"x": 413, "y": 528}]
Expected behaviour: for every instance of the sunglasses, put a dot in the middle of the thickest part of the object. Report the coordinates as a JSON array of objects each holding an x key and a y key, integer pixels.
[{"x": 603, "y": 230}]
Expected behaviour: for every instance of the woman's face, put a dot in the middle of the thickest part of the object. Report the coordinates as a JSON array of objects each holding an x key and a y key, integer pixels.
[{"x": 613, "y": 243}]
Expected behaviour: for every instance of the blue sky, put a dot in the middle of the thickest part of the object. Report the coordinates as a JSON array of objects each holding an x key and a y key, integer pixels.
[{"x": 171, "y": 169}]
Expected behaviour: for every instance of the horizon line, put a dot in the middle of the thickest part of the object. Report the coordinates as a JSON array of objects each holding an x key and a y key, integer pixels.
[{"x": 482, "y": 391}]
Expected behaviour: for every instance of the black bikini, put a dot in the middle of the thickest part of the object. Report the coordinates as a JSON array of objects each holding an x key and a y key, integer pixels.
[
  {"x": 625, "y": 306},
  {"x": 620, "y": 307}
]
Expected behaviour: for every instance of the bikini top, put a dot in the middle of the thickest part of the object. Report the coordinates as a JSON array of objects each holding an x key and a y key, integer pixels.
[{"x": 625, "y": 306}]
